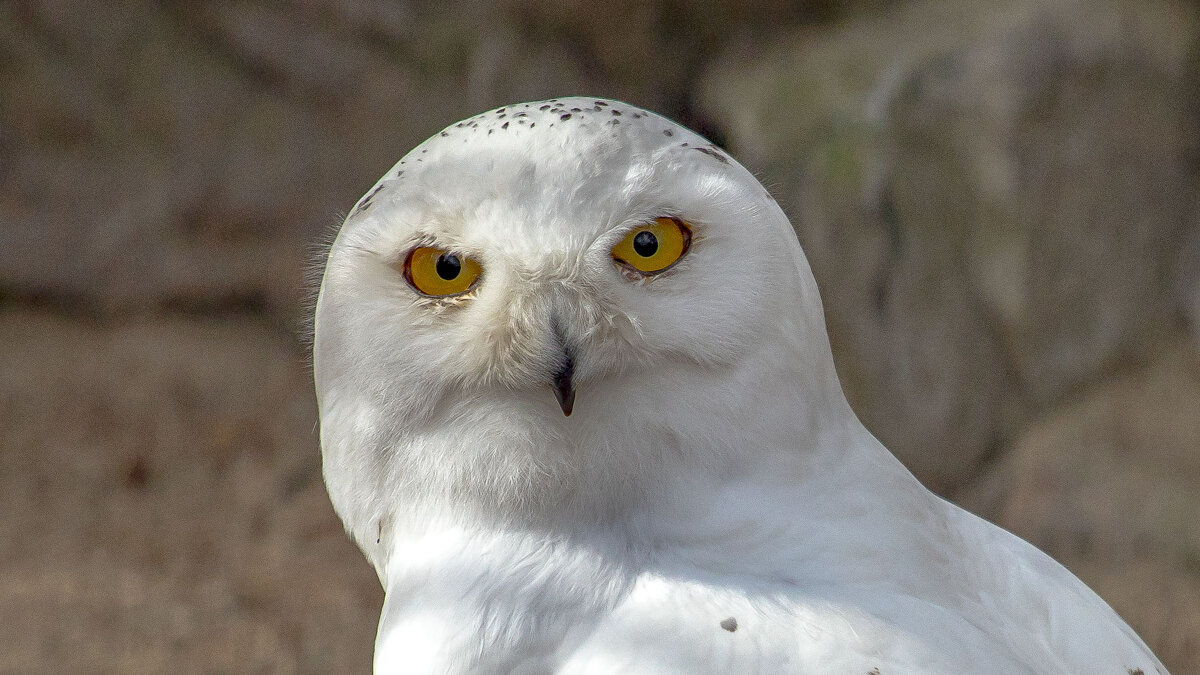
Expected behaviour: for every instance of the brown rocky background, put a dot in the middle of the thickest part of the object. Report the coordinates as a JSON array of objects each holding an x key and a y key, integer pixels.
[{"x": 1000, "y": 200}]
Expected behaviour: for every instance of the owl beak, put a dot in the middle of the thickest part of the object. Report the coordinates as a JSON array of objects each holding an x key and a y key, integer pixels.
[{"x": 564, "y": 389}]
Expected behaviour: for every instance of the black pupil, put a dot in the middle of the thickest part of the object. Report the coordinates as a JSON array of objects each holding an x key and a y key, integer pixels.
[
  {"x": 645, "y": 244},
  {"x": 448, "y": 266}
]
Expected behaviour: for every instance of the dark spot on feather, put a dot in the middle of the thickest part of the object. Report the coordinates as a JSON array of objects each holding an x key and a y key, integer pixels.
[
  {"x": 616, "y": 112},
  {"x": 545, "y": 107},
  {"x": 504, "y": 126},
  {"x": 500, "y": 110},
  {"x": 445, "y": 134},
  {"x": 565, "y": 117},
  {"x": 575, "y": 110},
  {"x": 729, "y": 624},
  {"x": 1136, "y": 671},
  {"x": 601, "y": 103},
  {"x": 667, "y": 132},
  {"x": 715, "y": 154}
]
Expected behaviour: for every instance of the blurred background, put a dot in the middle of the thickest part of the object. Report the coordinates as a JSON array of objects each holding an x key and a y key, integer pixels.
[{"x": 1000, "y": 200}]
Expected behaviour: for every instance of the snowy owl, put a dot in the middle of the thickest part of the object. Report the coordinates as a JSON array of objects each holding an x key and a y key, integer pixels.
[{"x": 579, "y": 410}]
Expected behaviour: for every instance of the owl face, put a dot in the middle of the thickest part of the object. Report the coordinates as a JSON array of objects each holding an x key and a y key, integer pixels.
[{"x": 567, "y": 277}]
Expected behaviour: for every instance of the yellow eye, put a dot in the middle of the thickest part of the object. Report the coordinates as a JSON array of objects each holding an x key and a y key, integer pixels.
[
  {"x": 438, "y": 272},
  {"x": 655, "y": 246}
]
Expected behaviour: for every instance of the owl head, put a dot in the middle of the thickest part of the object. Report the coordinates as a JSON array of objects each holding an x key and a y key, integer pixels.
[{"x": 561, "y": 307}]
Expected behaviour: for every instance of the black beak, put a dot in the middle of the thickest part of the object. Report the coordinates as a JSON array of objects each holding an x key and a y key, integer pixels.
[{"x": 564, "y": 390}]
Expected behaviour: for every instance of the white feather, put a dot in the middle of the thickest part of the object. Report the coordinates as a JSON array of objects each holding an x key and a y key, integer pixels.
[{"x": 712, "y": 471}]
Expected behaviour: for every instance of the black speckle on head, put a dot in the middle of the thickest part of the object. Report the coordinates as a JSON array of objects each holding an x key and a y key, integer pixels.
[
  {"x": 616, "y": 112},
  {"x": 444, "y": 134},
  {"x": 399, "y": 173},
  {"x": 715, "y": 154},
  {"x": 683, "y": 145},
  {"x": 729, "y": 624},
  {"x": 601, "y": 103},
  {"x": 667, "y": 132},
  {"x": 873, "y": 671},
  {"x": 1135, "y": 671},
  {"x": 424, "y": 150},
  {"x": 504, "y": 126},
  {"x": 490, "y": 131},
  {"x": 522, "y": 114},
  {"x": 567, "y": 116},
  {"x": 501, "y": 116},
  {"x": 500, "y": 110},
  {"x": 365, "y": 204},
  {"x": 637, "y": 115},
  {"x": 544, "y": 107},
  {"x": 575, "y": 110}
]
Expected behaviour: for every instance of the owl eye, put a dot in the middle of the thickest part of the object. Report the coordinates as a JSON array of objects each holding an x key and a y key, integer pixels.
[
  {"x": 439, "y": 273},
  {"x": 653, "y": 247}
]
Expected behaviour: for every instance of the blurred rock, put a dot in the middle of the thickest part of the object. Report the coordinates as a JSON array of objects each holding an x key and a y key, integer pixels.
[
  {"x": 1109, "y": 486},
  {"x": 992, "y": 197},
  {"x": 163, "y": 504},
  {"x": 172, "y": 153}
]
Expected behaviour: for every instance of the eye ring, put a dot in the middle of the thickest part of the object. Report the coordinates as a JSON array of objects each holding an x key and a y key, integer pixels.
[
  {"x": 653, "y": 247},
  {"x": 437, "y": 272}
]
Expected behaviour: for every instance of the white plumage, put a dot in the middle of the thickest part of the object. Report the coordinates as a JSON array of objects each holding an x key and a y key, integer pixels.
[{"x": 711, "y": 505}]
